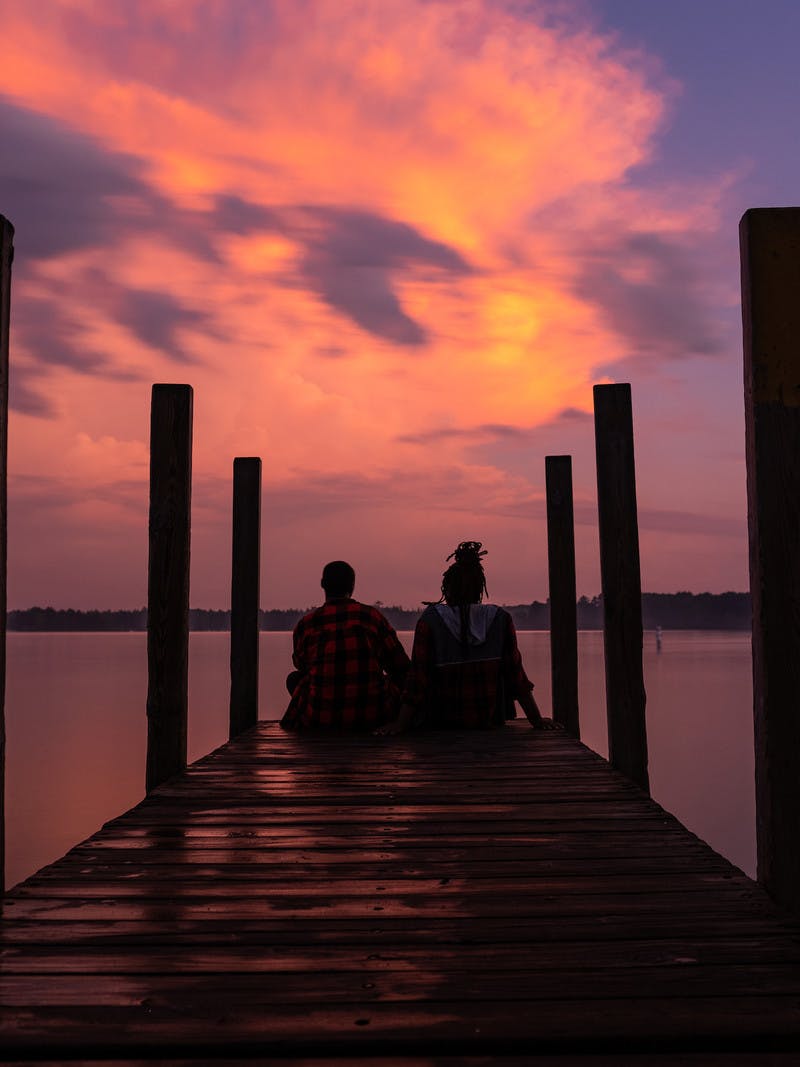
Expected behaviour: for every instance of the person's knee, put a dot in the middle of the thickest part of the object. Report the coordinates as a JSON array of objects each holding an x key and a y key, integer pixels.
[{"x": 293, "y": 680}]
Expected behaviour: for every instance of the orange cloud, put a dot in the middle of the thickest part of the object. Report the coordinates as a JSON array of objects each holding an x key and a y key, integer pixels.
[{"x": 347, "y": 224}]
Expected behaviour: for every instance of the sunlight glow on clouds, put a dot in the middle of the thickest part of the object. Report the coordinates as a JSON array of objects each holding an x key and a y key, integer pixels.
[{"x": 349, "y": 225}]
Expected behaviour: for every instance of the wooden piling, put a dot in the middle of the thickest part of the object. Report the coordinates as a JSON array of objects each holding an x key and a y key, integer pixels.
[
  {"x": 770, "y": 256},
  {"x": 621, "y": 581},
  {"x": 6, "y": 258},
  {"x": 245, "y": 588},
  {"x": 563, "y": 611},
  {"x": 168, "y": 581}
]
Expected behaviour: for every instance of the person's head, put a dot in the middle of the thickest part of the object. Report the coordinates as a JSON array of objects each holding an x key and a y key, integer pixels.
[
  {"x": 464, "y": 581},
  {"x": 338, "y": 579}
]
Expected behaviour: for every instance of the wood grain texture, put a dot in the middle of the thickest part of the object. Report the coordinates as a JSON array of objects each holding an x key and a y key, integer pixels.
[
  {"x": 621, "y": 581},
  {"x": 439, "y": 897},
  {"x": 245, "y": 593},
  {"x": 6, "y": 258},
  {"x": 563, "y": 611},
  {"x": 168, "y": 581},
  {"x": 770, "y": 250}
]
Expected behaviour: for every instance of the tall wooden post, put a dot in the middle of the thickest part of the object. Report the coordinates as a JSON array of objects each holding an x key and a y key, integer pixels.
[
  {"x": 621, "y": 581},
  {"x": 563, "y": 611},
  {"x": 245, "y": 588},
  {"x": 770, "y": 251},
  {"x": 168, "y": 581},
  {"x": 6, "y": 257}
]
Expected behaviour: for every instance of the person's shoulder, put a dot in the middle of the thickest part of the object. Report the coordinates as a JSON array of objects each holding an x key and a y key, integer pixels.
[
  {"x": 369, "y": 611},
  {"x": 505, "y": 619},
  {"x": 308, "y": 618},
  {"x": 500, "y": 616},
  {"x": 429, "y": 617}
]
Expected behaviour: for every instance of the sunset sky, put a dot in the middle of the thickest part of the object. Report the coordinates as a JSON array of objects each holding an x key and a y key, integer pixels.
[{"x": 391, "y": 244}]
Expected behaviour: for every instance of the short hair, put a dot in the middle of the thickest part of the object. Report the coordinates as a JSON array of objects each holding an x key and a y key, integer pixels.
[{"x": 338, "y": 578}]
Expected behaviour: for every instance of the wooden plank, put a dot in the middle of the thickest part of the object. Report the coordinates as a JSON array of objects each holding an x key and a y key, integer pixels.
[
  {"x": 659, "y": 1059},
  {"x": 6, "y": 259},
  {"x": 681, "y": 1059},
  {"x": 301, "y": 958},
  {"x": 237, "y": 867},
  {"x": 245, "y": 593},
  {"x": 168, "y": 581},
  {"x": 379, "y": 933},
  {"x": 530, "y": 1059},
  {"x": 584, "y": 983},
  {"x": 620, "y": 581},
  {"x": 153, "y": 886},
  {"x": 770, "y": 250},
  {"x": 364, "y": 1028},
  {"x": 563, "y": 609},
  {"x": 552, "y": 908}
]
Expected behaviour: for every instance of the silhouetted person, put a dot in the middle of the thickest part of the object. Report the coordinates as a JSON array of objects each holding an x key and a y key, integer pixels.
[
  {"x": 350, "y": 664},
  {"x": 466, "y": 670}
]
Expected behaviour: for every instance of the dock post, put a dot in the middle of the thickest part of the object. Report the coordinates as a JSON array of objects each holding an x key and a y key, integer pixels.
[
  {"x": 168, "y": 581},
  {"x": 621, "y": 582},
  {"x": 245, "y": 589},
  {"x": 6, "y": 258},
  {"x": 770, "y": 255},
  {"x": 563, "y": 611}
]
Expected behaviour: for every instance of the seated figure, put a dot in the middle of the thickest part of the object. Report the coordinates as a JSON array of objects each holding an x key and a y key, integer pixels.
[
  {"x": 350, "y": 665},
  {"x": 466, "y": 669}
]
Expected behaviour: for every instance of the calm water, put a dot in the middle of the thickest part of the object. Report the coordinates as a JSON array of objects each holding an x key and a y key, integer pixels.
[{"x": 76, "y": 727}]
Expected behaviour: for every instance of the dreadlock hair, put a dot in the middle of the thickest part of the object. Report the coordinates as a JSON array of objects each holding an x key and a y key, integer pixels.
[{"x": 464, "y": 582}]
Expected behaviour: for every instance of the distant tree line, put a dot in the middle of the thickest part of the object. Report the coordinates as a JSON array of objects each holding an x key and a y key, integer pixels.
[
  {"x": 671, "y": 611},
  {"x": 68, "y": 619}
]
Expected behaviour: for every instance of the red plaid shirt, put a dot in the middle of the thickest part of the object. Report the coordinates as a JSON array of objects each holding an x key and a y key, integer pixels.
[
  {"x": 476, "y": 686},
  {"x": 352, "y": 665}
]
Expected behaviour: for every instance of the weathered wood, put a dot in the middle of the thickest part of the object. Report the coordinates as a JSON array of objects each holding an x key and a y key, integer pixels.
[
  {"x": 6, "y": 258},
  {"x": 563, "y": 610},
  {"x": 380, "y": 930},
  {"x": 245, "y": 593},
  {"x": 770, "y": 253},
  {"x": 168, "y": 581},
  {"x": 620, "y": 581}
]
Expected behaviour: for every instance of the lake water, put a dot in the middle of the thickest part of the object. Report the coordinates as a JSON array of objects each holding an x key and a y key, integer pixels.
[{"x": 77, "y": 731}]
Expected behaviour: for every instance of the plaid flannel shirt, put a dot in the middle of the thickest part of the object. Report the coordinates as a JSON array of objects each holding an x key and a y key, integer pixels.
[
  {"x": 352, "y": 668},
  {"x": 450, "y": 685}
]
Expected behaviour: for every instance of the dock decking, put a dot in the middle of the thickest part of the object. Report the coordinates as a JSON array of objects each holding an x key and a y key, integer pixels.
[{"x": 442, "y": 898}]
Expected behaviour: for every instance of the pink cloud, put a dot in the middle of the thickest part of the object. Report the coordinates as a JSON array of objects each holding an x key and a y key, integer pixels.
[{"x": 372, "y": 235}]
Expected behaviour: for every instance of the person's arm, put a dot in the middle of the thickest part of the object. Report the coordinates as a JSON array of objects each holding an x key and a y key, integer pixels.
[
  {"x": 521, "y": 683},
  {"x": 394, "y": 658},
  {"x": 297, "y": 644},
  {"x": 416, "y": 682},
  {"x": 531, "y": 708}
]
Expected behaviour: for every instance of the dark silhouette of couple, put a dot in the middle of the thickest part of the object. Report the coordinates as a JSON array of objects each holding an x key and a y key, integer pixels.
[{"x": 351, "y": 672}]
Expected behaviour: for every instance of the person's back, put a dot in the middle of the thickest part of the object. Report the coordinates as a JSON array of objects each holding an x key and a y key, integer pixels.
[
  {"x": 466, "y": 669},
  {"x": 350, "y": 664},
  {"x": 465, "y": 679}
]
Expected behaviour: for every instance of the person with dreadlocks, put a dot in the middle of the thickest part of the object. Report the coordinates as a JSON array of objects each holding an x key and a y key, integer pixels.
[
  {"x": 350, "y": 665},
  {"x": 466, "y": 670}
]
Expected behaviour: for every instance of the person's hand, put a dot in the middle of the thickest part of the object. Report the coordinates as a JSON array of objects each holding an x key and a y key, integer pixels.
[{"x": 390, "y": 729}]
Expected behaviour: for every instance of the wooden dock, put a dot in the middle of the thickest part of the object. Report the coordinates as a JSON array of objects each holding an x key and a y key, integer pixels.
[{"x": 441, "y": 898}]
